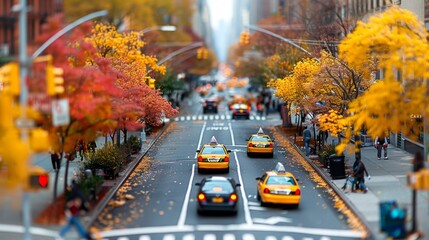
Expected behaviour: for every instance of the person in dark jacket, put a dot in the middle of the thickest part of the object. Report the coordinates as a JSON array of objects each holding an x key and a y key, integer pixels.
[
  {"x": 359, "y": 171},
  {"x": 381, "y": 143},
  {"x": 75, "y": 203},
  {"x": 56, "y": 160}
]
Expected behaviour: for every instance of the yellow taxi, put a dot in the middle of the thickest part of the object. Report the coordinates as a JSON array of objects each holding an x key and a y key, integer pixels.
[
  {"x": 260, "y": 143},
  {"x": 278, "y": 186},
  {"x": 213, "y": 156}
]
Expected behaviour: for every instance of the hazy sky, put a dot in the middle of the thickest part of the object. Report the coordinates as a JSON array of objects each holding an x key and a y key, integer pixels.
[{"x": 221, "y": 13}]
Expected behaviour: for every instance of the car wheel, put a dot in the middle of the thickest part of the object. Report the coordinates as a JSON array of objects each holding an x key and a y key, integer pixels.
[
  {"x": 258, "y": 197},
  {"x": 233, "y": 117},
  {"x": 271, "y": 155},
  {"x": 249, "y": 154},
  {"x": 200, "y": 170},
  {"x": 204, "y": 111},
  {"x": 248, "y": 117},
  {"x": 262, "y": 203},
  {"x": 227, "y": 170},
  {"x": 215, "y": 111},
  {"x": 295, "y": 205},
  {"x": 200, "y": 212}
]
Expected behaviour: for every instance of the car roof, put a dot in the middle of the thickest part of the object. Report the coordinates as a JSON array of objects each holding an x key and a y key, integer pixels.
[
  {"x": 274, "y": 173},
  {"x": 217, "y": 178}
]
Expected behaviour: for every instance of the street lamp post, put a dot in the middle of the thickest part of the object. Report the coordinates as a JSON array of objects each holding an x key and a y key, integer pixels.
[{"x": 24, "y": 62}]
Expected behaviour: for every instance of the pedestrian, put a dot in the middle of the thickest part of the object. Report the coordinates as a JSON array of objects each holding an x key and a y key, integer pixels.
[
  {"x": 381, "y": 143},
  {"x": 92, "y": 146},
  {"x": 260, "y": 108},
  {"x": 307, "y": 137},
  {"x": 81, "y": 148},
  {"x": 56, "y": 160},
  {"x": 75, "y": 203},
  {"x": 359, "y": 171}
]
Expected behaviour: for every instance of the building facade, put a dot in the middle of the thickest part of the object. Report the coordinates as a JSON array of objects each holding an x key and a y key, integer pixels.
[{"x": 39, "y": 11}]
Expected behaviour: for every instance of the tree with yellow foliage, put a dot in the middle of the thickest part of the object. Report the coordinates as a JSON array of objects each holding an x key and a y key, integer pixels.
[{"x": 397, "y": 43}]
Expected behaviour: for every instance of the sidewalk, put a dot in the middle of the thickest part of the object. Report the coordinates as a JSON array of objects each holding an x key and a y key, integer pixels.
[
  {"x": 11, "y": 203},
  {"x": 388, "y": 182}
]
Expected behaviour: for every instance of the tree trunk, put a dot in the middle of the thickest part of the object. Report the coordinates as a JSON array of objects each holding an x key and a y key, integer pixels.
[
  {"x": 57, "y": 173},
  {"x": 66, "y": 175},
  {"x": 125, "y": 135},
  {"x": 357, "y": 148}
]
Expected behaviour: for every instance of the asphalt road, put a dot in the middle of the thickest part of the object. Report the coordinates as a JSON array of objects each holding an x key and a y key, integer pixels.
[{"x": 165, "y": 193}]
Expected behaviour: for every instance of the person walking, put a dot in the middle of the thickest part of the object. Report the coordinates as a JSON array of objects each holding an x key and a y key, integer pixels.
[
  {"x": 359, "y": 171},
  {"x": 307, "y": 137},
  {"x": 75, "y": 203},
  {"x": 381, "y": 144},
  {"x": 56, "y": 160},
  {"x": 81, "y": 146}
]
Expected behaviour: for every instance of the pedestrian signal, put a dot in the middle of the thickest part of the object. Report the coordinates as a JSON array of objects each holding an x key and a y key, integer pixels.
[
  {"x": 54, "y": 80},
  {"x": 38, "y": 178}
]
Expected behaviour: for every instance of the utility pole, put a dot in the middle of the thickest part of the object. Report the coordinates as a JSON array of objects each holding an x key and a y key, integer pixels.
[{"x": 23, "y": 69}]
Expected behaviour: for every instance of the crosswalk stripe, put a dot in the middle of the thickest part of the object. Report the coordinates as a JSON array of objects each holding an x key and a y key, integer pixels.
[
  {"x": 213, "y": 117},
  {"x": 144, "y": 237},
  {"x": 123, "y": 238},
  {"x": 229, "y": 236},
  {"x": 287, "y": 238},
  {"x": 169, "y": 237},
  {"x": 189, "y": 236},
  {"x": 209, "y": 237},
  {"x": 248, "y": 236},
  {"x": 270, "y": 238}
]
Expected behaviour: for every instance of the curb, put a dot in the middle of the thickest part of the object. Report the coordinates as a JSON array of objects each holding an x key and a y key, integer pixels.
[
  {"x": 102, "y": 204},
  {"x": 333, "y": 186}
]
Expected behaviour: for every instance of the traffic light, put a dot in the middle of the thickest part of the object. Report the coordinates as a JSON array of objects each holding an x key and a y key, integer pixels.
[
  {"x": 204, "y": 53},
  {"x": 38, "y": 178},
  {"x": 9, "y": 78},
  {"x": 199, "y": 53},
  {"x": 151, "y": 83},
  {"x": 244, "y": 37},
  {"x": 39, "y": 140},
  {"x": 54, "y": 80},
  {"x": 6, "y": 110}
]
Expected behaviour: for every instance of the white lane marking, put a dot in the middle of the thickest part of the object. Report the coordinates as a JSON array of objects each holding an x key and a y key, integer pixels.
[
  {"x": 222, "y": 117},
  {"x": 272, "y": 220},
  {"x": 189, "y": 236},
  {"x": 233, "y": 227},
  {"x": 200, "y": 117},
  {"x": 211, "y": 117},
  {"x": 229, "y": 236},
  {"x": 206, "y": 117},
  {"x": 176, "y": 119},
  {"x": 307, "y": 238},
  {"x": 209, "y": 237},
  {"x": 248, "y": 236},
  {"x": 169, "y": 237},
  {"x": 188, "y": 118},
  {"x": 201, "y": 138},
  {"x": 270, "y": 238},
  {"x": 123, "y": 238},
  {"x": 144, "y": 237},
  {"x": 217, "y": 117},
  {"x": 325, "y": 238},
  {"x": 252, "y": 118},
  {"x": 33, "y": 230},
  {"x": 289, "y": 238},
  {"x": 194, "y": 118},
  {"x": 182, "y": 217},
  {"x": 256, "y": 208},
  {"x": 253, "y": 203},
  {"x": 182, "y": 118},
  {"x": 240, "y": 179}
]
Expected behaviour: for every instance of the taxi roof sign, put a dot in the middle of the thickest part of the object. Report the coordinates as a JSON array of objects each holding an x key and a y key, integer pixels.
[
  {"x": 213, "y": 140},
  {"x": 280, "y": 168},
  {"x": 260, "y": 131}
]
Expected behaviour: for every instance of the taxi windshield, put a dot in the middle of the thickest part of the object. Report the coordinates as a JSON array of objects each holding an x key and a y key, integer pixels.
[
  {"x": 217, "y": 187},
  {"x": 213, "y": 150},
  {"x": 260, "y": 139},
  {"x": 281, "y": 180}
]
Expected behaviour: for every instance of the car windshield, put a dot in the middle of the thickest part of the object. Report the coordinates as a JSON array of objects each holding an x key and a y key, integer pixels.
[
  {"x": 260, "y": 139},
  {"x": 281, "y": 180},
  {"x": 217, "y": 187},
  {"x": 213, "y": 150}
]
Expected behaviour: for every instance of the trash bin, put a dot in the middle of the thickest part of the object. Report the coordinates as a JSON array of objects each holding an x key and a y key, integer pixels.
[
  {"x": 395, "y": 220},
  {"x": 385, "y": 208},
  {"x": 337, "y": 166}
]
